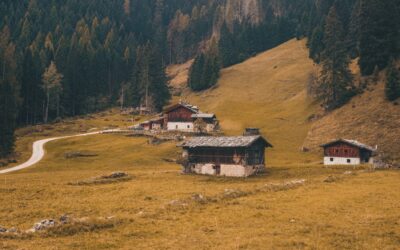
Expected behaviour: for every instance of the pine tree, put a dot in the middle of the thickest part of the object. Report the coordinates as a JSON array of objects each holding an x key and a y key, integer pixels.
[
  {"x": 8, "y": 93},
  {"x": 227, "y": 47},
  {"x": 336, "y": 86},
  {"x": 392, "y": 88},
  {"x": 378, "y": 34},
  {"x": 205, "y": 70}
]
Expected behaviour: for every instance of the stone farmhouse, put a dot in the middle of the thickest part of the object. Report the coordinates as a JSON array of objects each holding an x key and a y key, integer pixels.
[{"x": 236, "y": 156}]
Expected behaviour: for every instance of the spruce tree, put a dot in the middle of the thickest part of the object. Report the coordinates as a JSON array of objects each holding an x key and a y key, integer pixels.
[
  {"x": 378, "y": 34},
  {"x": 336, "y": 86},
  {"x": 8, "y": 93},
  {"x": 392, "y": 87}
]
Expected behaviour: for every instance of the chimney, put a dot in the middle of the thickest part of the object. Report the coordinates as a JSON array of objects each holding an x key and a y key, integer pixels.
[{"x": 251, "y": 131}]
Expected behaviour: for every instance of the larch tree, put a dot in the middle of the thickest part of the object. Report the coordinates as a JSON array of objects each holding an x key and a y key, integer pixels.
[{"x": 52, "y": 86}]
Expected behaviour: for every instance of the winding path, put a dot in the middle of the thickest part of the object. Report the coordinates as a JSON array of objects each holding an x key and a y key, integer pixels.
[{"x": 38, "y": 152}]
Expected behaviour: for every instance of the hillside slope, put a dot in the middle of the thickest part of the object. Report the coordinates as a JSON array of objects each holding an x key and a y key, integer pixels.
[
  {"x": 269, "y": 92},
  {"x": 368, "y": 118}
]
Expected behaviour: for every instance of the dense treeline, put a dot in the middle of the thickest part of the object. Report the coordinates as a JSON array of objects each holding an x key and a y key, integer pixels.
[
  {"x": 65, "y": 58},
  {"x": 367, "y": 29}
]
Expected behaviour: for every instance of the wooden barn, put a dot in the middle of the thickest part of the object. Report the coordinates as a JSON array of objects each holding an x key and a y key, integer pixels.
[
  {"x": 183, "y": 117},
  {"x": 237, "y": 156},
  {"x": 347, "y": 152},
  {"x": 153, "y": 124}
]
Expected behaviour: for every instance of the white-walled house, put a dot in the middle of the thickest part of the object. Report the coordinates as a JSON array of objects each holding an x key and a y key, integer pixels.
[{"x": 347, "y": 152}]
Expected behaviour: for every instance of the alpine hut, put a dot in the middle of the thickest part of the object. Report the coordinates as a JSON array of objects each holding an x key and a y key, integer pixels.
[
  {"x": 236, "y": 156},
  {"x": 347, "y": 152}
]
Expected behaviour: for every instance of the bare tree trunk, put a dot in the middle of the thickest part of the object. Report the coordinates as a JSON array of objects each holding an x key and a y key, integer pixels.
[
  {"x": 122, "y": 98},
  {"x": 58, "y": 106},
  {"x": 46, "y": 116}
]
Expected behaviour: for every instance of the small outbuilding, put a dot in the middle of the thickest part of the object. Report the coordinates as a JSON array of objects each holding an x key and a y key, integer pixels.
[
  {"x": 347, "y": 152},
  {"x": 236, "y": 156}
]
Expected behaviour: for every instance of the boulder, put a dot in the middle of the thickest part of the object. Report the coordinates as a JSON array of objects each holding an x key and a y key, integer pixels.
[{"x": 3, "y": 229}]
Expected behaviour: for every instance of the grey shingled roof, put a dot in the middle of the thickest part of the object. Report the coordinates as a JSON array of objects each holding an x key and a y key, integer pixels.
[
  {"x": 351, "y": 142},
  {"x": 222, "y": 142}
]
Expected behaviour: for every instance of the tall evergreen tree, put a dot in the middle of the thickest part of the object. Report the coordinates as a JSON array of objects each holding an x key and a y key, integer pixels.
[
  {"x": 392, "y": 87},
  {"x": 378, "y": 34},
  {"x": 336, "y": 86},
  {"x": 8, "y": 93}
]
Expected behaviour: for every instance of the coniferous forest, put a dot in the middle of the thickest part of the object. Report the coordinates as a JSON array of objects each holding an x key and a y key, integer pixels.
[{"x": 67, "y": 58}]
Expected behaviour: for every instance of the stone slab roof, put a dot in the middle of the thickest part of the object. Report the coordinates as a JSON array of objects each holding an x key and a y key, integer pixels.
[{"x": 222, "y": 142}]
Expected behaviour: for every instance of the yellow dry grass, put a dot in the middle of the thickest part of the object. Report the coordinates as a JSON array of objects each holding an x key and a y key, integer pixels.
[
  {"x": 155, "y": 209},
  {"x": 368, "y": 117},
  {"x": 178, "y": 73},
  {"x": 268, "y": 92}
]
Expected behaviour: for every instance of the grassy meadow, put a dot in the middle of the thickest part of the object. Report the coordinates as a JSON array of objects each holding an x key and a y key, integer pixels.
[{"x": 161, "y": 209}]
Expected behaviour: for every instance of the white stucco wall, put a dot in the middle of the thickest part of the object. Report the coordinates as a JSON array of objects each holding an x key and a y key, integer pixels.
[
  {"x": 181, "y": 126},
  {"x": 226, "y": 170},
  {"x": 341, "y": 161},
  {"x": 207, "y": 169}
]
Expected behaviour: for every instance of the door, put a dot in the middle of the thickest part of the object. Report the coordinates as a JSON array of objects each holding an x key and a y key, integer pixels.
[{"x": 217, "y": 169}]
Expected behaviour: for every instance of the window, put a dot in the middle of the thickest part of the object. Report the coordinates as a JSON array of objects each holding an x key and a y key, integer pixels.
[
  {"x": 331, "y": 159},
  {"x": 346, "y": 151},
  {"x": 348, "y": 161},
  {"x": 188, "y": 126},
  {"x": 176, "y": 127}
]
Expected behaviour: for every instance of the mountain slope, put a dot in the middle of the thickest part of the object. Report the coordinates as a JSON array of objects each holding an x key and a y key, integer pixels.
[
  {"x": 267, "y": 91},
  {"x": 368, "y": 118}
]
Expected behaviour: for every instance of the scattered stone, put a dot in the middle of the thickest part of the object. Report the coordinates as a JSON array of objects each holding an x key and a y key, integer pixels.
[
  {"x": 169, "y": 160},
  {"x": 380, "y": 163},
  {"x": 104, "y": 179},
  {"x": 305, "y": 149},
  {"x": 77, "y": 154},
  {"x": 232, "y": 193},
  {"x": 65, "y": 219},
  {"x": 3, "y": 229},
  {"x": 292, "y": 221},
  {"x": 177, "y": 203},
  {"x": 116, "y": 175},
  {"x": 349, "y": 173},
  {"x": 44, "y": 224},
  {"x": 330, "y": 179},
  {"x": 199, "y": 198},
  {"x": 12, "y": 230}
]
